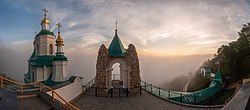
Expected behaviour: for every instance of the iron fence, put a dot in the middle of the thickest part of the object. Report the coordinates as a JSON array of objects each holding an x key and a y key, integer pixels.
[{"x": 183, "y": 97}]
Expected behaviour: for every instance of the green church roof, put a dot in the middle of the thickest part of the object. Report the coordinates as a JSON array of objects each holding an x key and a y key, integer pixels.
[
  {"x": 60, "y": 58},
  {"x": 116, "y": 48},
  {"x": 32, "y": 55},
  {"x": 45, "y": 60},
  {"x": 45, "y": 32},
  {"x": 50, "y": 82},
  {"x": 41, "y": 61}
]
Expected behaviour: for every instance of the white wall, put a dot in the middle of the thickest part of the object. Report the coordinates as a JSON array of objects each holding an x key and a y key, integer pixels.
[
  {"x": 43, "y": 43},
  {"x": 59, "y": 70},
  {"x": 42, "y": 73},
  {"x": 70, "y": 91}
]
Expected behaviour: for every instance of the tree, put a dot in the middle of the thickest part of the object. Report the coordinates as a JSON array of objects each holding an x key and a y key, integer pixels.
[{"x": 232, "y": 59}]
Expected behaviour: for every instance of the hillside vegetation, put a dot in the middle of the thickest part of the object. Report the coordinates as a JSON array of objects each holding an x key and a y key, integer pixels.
[{"x": 232, "y": 59}]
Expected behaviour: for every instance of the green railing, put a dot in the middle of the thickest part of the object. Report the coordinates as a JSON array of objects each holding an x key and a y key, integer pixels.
[
  {"x": 186, "y": 97},
  {"x": 182, "y": 97}
]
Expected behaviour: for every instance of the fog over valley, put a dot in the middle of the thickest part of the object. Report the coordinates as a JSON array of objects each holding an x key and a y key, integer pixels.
[{"x": 154, "y": 69}]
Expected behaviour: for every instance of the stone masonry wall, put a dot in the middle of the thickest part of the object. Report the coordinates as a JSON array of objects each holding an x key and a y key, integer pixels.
[{"x": 133, "y": 62}]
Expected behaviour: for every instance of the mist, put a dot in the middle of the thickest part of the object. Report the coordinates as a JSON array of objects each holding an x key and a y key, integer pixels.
[
  {"x": 162, "y": 70},
  {"x": 154, "y": 69}
]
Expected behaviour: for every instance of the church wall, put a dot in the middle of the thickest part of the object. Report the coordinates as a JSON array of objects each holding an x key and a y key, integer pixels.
[
  {"x": 48, "y": 71},
  {"x": 59, "y": 70},
  {"x": 39, "y": 74},
  {"x": 31, "y": 72},
  {"x": 42, "y": 45},
  {"x": 65, "y": 70},
  {"x": 43, "y": 73},
  {"x": 70, "y": 91}
]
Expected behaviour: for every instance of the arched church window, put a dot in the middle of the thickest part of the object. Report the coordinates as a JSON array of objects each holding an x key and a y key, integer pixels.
[{"x": 50, "y": 49}]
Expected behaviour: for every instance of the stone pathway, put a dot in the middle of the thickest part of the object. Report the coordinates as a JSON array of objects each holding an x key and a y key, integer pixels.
[
  {"x": 34, "y": 103},
  {"x": 145, "y": 101},
  {"x": 8, "y": 100}
]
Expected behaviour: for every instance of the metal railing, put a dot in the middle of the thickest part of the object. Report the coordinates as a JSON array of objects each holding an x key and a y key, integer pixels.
[
  {"x": 55, "y": 95},
  {"x": 89, "y": 85},
  {"x": 115, "y": 92},
  {"x": 18, "y": 86},
  {"x": 115, "y": 76},
  {"x": 22, "y": 87},
  {"x": 180, "y": 97}
]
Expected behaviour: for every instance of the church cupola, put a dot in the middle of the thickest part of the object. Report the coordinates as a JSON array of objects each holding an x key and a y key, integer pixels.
[
  {"x": 45, "y": 22},
  {"x": 44, "y": 42},
  {"x": 59, "y": 41}
]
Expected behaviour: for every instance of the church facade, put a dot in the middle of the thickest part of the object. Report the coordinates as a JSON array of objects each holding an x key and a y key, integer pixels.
[{"x": 47, "y": 62}]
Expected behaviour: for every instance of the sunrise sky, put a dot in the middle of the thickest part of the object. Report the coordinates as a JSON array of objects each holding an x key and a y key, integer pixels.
[
  {"x": 161, "y": 27},
  {"x": 157, "y": 28}
]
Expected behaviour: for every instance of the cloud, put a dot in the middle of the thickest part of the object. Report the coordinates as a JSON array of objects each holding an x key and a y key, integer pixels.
[
  {"x": 149, "y": 24},
  {"x": 167, "y": 27}
]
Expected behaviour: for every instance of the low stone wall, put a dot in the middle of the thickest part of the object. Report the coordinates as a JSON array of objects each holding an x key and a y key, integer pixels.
[
  {"x": 71, "y": 91},
  {"x": 240, "y": 100}
]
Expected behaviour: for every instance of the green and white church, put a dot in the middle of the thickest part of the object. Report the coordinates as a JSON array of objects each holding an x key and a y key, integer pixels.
[{"x": 46, "y": 62}]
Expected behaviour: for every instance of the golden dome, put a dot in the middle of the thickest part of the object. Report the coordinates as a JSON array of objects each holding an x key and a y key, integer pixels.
[
  {"x": 45, "y": 20},
  {"x": 59, "y": 40}
]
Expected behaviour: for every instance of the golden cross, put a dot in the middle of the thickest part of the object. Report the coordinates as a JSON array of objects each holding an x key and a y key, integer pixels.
[
  {"x": 59, "y": 26},
  {"x": 45, "y": 11}
]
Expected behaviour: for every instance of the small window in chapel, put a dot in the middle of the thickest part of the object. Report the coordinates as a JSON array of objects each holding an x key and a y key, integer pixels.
[{"x": 50, "y": 49}]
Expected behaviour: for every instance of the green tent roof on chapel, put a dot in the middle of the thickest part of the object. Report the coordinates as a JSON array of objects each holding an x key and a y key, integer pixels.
[{"x": 116, "y": 48}]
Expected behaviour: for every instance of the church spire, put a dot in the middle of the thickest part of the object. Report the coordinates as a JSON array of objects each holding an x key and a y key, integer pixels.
[
  {"x": 59, "y": 40},
  {"x": 45, "y": 22},
  {"x": 116, "y": 28},
  {"x": 116, "y": 48}
]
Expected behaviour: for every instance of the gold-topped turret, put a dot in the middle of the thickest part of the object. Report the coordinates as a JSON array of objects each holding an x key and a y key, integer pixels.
[
  {"x": 59, "y": 40},
  {"x": 45, "y": 22}
]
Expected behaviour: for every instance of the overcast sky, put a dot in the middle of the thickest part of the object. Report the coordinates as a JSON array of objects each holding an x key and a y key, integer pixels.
[{"x": 156, "y": 27}]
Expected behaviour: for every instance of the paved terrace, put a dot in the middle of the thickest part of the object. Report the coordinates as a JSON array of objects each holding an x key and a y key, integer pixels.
[
  {"x": 145, "y": 101},
  {"x": 34, "y": 103}
]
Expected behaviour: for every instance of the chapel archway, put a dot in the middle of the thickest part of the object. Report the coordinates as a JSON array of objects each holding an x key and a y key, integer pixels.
[
  {"x": 116, "y": 73},
  {"x": 129, "y": 67},
  {"x": 122, "y": 81}
]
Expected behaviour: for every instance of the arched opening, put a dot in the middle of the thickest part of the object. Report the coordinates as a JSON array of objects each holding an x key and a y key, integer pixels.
[
  {"x": 118, "y": 76},
  {"x": 50, "y": 49},
  {"x": 116, "y": 72},
  {"x": 116, "y": 80}
]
